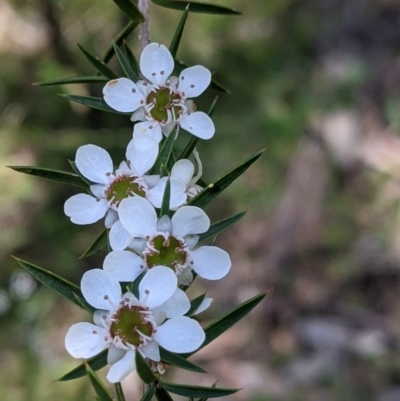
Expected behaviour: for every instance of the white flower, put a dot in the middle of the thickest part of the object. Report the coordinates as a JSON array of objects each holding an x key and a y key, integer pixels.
[
  {"x": 162, "y": 102},
  {"x": 127, "y": 324},
  {"x": 110, "y": 186},
  {"x": 167, "y": 242}
]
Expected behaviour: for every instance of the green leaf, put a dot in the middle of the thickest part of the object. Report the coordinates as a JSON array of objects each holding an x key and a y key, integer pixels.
[
  {"x": 164, "y": 210},
  {"x": 176, "y": 40},
  {"x": 163, "y": 395},
  {"x": 196, "y": 7},
  {"x": 130, "y": 9},
  {"x": 56, "y": 175},
  {"x": 96, "y": 363},
  {"x": 214, "y": 189},
  {"x": 149, "y": 394},
  {"x": 176, "y": 360},
  {"x": 55, "y": 282},
  {"x": 119, "y": 40},
  {"x": 73, "y": 80},
  {"x": 99, "y": 388},
  {"x": 132, "y": 59},
  {"x": 119, "y": 392},
  {"x": 221, "y": 226},
  {"x": 94, "y": 102},
  {"x": 195, "y": 303},
  {"x": 165, "y": 153},
  {"x": 97, "y": 245},
  {"x": 198, "y": 391},
  {"x": 144, "y": 370},
  {"x": 125, "y": 64},
  {"x": 99, "y": 65}
]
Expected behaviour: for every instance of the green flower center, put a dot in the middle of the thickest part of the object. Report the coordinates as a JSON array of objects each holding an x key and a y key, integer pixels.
[
  {"x": 170, "y": 253},
  {"x": 128, "y": 323},
  {"x": 123, "y": 187},
  {"x": 166, "y": 105}
]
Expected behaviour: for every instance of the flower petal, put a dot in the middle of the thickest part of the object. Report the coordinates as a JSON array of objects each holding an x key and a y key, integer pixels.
[
  {"x": 119, "y": 238},
  {"x": 142, "y": 152},
  {"x": 85, "y": 209},
  {"x": 186, "y": 277},
  {"x": 157, "y": 286},
  {"x": 123, "y": 265},
  {"x": 193, "y": 81},
  {"x": 122, "y": 368},
  {"x": 178, "y": 196},
  {"x": 203, "y": 306},
  {"x": 180, "y": 334},
  {"x": 101, "y": 289},
  {"x": 115, "y": 354},
  {"x": 98, "y": 190},
  {"x": 84, "y": 340},
  {"x": 151, "y": 128},
  {"x": 138, "y": 216},
  {"x": 199, "y": 124},
  {"x": 183, "y": 170},
  {"x": 210, "y": 262},
  {"x": 175, "y": 306},
  {"x": 164, "y": 224},
  {"x": 111, "y": 218},
  {"x": 138, "y": 115},
  {"x": 94, "y": 163},
  {"x": 123, "y": 95},
  {"x": 189, "y": 220},
  {"x": 151, "y": 350},
  {"x": 156, "y": 63},
  {"x": 151, "y": 180}
]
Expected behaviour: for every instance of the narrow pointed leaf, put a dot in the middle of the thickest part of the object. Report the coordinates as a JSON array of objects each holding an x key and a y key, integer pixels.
[
  {"x": 195, "y": 303},
  {"x": 119, "y": 392},
  {"x": 130, "y": 56},
  {"x": 196, "y": 7},
  {"x": 56, "y": 175},
  {"x": 221, "y": 226},
  {"x": 129, "y": 72},
  {"x": 94, "y": 102},
  {"x": 214, "y": 189},
  {"x": 58, "y": 284},
  {"x": 176, "y": 40},
  {"x": 166, "y": 199},
  {"x": 198, "y": 391},
  {"x": 130, "y": 9},
  {"x": 176, "y": 360},
  {"x": 99, "y": 388},
  {"x": 97, "y": 245},
  {"x": 149, "y": 394},
  {"x": 163, "y": 395},
  {"x": 96, "y": 363},
  {"x": 73, "y": 80},
  {"x": 99, "y": 65},
  {"x": 144, "y": 370},
  {"x": 165, "y": 153},
  {"x": 119, "y": 40}
]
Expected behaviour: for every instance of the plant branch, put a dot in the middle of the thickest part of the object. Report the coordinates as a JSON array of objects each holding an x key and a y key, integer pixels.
[{"x": 144, "y": 35}]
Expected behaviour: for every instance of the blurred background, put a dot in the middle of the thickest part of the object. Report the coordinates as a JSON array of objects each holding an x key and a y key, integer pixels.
[{"x": 315, "y": 83}]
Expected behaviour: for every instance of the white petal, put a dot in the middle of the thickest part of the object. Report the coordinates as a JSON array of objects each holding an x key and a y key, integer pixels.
[
  {"x": 199, "y": 124},
  {"x": 189, "y": 220},
  {"x": 151, "y": 128},
  {"x": 203, "y": 306},
  {"x": 101, "y": 289},
  {"x": 123, "y": 95},
  {"x": 193, "y": 81},
  {"x": 85, "y": 209},
  {"x": 151, "y": 350},
  {"x": 98, "y": 190},
  {"x": 142, "y": 152},
  {"x": 186, "y": 277},
  {"x": 111, "y": 218},
  {"x": 210, "y": 262},
  {"x": 164, "y": 224},
  {"x": 138, "y": 115},
  {"x": 138, "y": 216},
  {"x": 151, "y": 180},
  {"x": 183, "y": 170},
  {"x": 115, "y": 354},
  {"x": 122, "y": 368},
  {"x": 144, "y": 87},
  {"x": 180, "y": 334},
  {"x": 175, "y": 306},
  {"x": 99, "y": 317},
  {"x": 157, "y": 286},
  {"x": 178, "y": 195},
  {"x": 191, "y": 241},
  {"x": 137, "y": 244},
  {"x": 119, "y": 238},
  {"x": 156, "y": 63},
  {"x": 85, "y": 340},
  {"x": 123, "y": 265}
]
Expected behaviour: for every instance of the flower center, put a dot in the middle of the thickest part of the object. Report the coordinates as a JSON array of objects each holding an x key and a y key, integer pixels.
[
  {"x": 123, "y": 187},
  {"x": 164, "y": 105},
  {"x": 168, "y": 252},
  {"x": 131, "y": 325}
]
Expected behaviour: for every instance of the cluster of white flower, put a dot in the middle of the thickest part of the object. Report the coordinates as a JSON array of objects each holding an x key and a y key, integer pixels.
[{"x": 165, "y": 249}]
